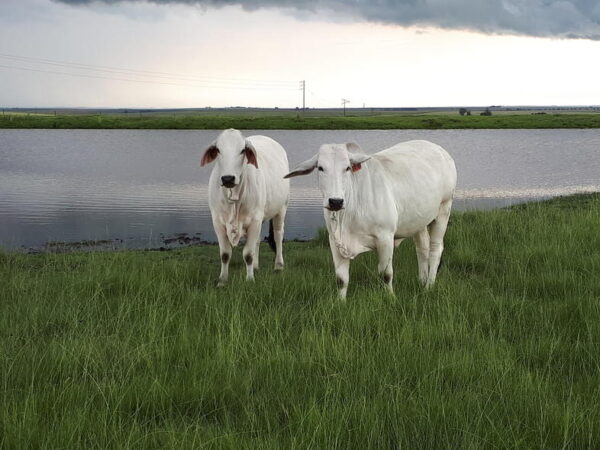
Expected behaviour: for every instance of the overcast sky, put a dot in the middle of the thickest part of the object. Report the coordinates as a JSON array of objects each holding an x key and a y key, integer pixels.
[{"x": 195, "y": 53}]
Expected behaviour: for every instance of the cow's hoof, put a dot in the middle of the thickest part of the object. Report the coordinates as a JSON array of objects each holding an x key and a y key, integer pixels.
[
  {"x": 278, "y": 268},
  {"x": 221, "y": 284}
]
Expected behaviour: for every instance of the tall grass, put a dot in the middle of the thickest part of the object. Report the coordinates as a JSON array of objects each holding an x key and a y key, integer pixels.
[{"x": 140, "y": 350}]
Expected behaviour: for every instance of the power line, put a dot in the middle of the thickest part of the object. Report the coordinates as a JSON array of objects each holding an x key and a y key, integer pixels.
[
  {"x": 146, "y": 73},
  {"x": 217, "y": 86},
  {"x": 319, "y": 99}
]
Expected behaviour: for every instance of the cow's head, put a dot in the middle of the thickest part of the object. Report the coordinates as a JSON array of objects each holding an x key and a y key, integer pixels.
[
  {"x": 336, "y": 164},
  {"x": 232, "y": 151}
]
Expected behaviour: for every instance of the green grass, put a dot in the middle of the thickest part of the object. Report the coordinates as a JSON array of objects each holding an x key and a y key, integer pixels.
[
  {"x": 299, "y": 122},
  {"x": 140, "y": 350}
]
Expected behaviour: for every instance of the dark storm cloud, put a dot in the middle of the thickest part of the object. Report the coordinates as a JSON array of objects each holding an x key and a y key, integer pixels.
[{"x": 545, "y": 18}]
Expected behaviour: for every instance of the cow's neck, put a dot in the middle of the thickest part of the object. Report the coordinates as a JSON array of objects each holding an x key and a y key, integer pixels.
[
  {"x": 354, "y": 204},
  {"x": 235, "y": 199},
  {"x": 336, "y": 221},
  {"x": 359, "y": 193}
]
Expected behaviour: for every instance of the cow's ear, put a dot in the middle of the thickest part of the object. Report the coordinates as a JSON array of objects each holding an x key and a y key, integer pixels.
[
  {"x": 210, "y": 154},
  {"x": 304, "y": 168},
  {"x": 250, "y": 153},
  {"x": 357, "y": 157}
]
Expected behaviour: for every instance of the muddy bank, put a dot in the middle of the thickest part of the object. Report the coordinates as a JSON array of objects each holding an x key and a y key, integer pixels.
[{"x": 168, "y": 243}]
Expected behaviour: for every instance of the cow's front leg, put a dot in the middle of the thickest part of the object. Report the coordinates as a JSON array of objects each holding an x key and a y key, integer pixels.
[
  {"x": 385, "y": 252},
  {"x": 225, "y": 251},
  {"x": 342, "y": 269},
  {"x": 252, "y": 238}
]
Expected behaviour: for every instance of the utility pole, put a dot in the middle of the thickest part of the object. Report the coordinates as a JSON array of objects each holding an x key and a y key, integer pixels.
[
  {"x": 344, "y": 101},
  {"x": 303, "y": 87}
]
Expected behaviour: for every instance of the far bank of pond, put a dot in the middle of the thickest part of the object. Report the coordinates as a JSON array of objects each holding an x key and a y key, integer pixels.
[{"x": 299, "y": 121}]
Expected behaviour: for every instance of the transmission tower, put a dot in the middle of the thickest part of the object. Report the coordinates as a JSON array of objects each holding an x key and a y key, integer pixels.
[{"x": 344, "y": 101}]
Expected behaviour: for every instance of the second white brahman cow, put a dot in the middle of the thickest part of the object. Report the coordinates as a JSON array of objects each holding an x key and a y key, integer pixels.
[
  {"x": 374, "y": 202},
  {"x": 247, "y": 187}
]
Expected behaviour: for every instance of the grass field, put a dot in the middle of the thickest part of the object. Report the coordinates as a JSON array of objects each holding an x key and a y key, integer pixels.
[
  {"x": 140, "y": 350},
  {"x": 298, "y": 122}
]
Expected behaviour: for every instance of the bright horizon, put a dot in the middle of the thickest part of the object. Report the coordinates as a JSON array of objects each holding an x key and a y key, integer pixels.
[{"x": 184, "y": 56}]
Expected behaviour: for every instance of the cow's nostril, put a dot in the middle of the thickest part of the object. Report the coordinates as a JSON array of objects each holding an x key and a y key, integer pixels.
[
  {"x": 228, "y": 180},
  {"x": 336, "y": 203}
]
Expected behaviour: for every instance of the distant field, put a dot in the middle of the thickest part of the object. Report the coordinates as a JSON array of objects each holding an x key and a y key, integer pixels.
[
  {"x": 136, "y": 349},
  {"x": 296, "y": 121}
]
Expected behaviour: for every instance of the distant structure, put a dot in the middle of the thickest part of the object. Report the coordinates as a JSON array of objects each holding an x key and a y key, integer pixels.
[{"x": 344, "y": 101}]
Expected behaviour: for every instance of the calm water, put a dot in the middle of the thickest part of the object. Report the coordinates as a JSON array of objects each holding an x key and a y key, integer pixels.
[{"x": 145, "y": 187}]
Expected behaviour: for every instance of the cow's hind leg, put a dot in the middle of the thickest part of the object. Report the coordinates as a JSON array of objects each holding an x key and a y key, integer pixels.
[
  {"x": 437, "y": 230},
  {"x": 256, "y": 255},
  {"x": 385, "y": 252},
  {"x": 278, "y": 225},
  {"x": 252, "y": 238},
  {"x": 422, "y": 246}
]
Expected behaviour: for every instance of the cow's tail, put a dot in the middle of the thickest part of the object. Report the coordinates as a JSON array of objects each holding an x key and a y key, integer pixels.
[{"x": 271, "y": 237}]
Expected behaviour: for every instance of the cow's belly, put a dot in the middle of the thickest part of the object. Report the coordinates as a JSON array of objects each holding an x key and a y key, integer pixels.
[
  {"x": 409, "y": 228},
  {"x": 416, "y": 215},
  {"x": 277, "y": 198}
]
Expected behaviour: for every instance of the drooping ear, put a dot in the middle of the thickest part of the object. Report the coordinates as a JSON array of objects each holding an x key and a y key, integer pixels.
[
  {"x": 304, "y": 168},
  {"x": 250, "y": 153},
  {"x": 210, "y": 154},
  {"x": 357, "y": 157}
]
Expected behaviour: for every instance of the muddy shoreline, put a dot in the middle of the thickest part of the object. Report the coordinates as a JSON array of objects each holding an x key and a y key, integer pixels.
[{"x": 168, "y": 243}]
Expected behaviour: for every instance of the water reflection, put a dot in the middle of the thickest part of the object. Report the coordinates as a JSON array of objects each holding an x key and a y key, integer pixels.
[{"x": 145, "y": 186}]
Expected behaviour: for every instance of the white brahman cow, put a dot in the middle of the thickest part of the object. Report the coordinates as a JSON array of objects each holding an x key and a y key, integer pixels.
[
  {"x": 374, "y": 202},
  {"x": 247, "y": 187}
]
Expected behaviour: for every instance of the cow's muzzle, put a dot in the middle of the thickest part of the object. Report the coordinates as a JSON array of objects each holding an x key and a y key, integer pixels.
[
  {"x": 335, "y": 204},
  {"x": 228, "y": 181}
]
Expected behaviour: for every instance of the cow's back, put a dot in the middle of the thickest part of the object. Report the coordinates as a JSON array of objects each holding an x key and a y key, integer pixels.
[
  {"x": 420, "y": 175},
  {"x": 273, "y": 165}
]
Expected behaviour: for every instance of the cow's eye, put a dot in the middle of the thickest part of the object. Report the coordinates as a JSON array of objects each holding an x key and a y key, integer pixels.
[
  {"x": 347, "y": 168},
  {"x": 320, "y": 169}
]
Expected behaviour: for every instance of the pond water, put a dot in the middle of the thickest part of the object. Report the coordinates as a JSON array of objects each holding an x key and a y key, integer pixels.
[{"x": 145, "y": 188}]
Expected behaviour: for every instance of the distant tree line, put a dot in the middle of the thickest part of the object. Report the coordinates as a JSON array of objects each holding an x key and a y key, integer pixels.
[{"x": 467, "y": 112}]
